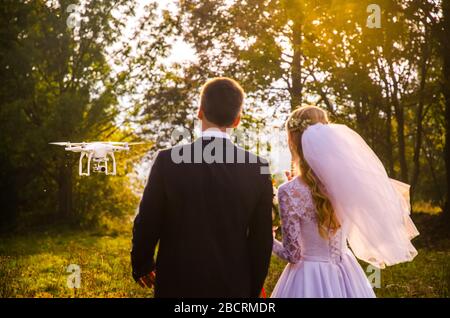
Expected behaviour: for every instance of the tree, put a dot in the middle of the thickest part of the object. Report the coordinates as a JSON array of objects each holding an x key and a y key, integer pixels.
[
  {"x": 381, "y": 81},
  {"x": 445, "y": 51},
  {"x": 64, "y": 69}
]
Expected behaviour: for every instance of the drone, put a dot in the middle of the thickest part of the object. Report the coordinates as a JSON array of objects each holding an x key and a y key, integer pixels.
[{"x": 100, "y": 152}]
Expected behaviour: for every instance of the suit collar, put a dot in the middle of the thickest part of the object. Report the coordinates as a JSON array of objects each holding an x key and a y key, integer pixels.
[{"x": 215, "y": 133}]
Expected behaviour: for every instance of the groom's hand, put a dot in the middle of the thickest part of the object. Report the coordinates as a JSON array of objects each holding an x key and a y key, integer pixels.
[{"x": 147, "y": 280}]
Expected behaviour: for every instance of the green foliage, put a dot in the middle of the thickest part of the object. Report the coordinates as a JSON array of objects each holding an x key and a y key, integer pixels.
[
  {"x": 59, "y": 84},
  {"x": 384, "y": 82}
]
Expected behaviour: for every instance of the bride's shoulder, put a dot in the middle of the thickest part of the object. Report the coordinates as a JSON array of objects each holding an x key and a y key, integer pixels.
[
  {"x": 296, "y": 194},
  {"x": 295, "y": 184}
]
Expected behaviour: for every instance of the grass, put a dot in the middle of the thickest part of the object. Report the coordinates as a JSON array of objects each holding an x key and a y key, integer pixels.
[{"x": 35, "y": 265}]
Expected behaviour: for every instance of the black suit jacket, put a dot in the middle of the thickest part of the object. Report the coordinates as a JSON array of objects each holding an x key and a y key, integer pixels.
[{"x": 213, "y": 222}]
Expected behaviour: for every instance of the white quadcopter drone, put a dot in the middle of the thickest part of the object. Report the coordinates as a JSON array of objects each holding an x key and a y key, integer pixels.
[{"x": 97, "y": 151}]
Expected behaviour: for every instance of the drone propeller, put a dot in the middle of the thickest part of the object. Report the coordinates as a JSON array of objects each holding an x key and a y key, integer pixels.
[
  {"x": 75, "y": 144},
  {"x": 123, "y": 143},
  {"x": 136, "y": 143},
  {"x": 60, "y": 143}
]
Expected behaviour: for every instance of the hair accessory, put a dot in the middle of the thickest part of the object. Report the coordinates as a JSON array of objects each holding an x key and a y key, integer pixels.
[{"x": 298, "y": 124}]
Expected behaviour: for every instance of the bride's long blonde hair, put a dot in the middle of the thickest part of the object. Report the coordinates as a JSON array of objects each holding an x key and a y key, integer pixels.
[{"x": 297, "y": 123}]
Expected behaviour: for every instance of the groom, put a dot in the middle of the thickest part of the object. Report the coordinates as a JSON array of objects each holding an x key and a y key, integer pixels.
[{"x": 208, "y": 204}]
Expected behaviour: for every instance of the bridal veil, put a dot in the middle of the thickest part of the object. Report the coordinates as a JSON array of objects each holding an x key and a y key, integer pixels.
[{"x": 375, "y": 208}]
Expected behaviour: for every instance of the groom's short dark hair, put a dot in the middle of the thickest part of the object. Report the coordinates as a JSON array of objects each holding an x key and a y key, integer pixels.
[{"x": 221, "y": 101}]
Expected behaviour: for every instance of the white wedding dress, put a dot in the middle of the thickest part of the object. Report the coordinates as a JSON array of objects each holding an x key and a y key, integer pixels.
[
  {"x": 317, "y": 267},
  {"x": 373, "y": 210}
]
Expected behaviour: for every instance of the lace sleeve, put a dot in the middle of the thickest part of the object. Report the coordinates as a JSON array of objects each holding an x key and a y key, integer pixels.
[{"x": 289, "y": 249}]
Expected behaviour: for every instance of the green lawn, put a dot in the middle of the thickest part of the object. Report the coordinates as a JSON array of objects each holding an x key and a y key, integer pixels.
[{"x": 35, "y": 266}]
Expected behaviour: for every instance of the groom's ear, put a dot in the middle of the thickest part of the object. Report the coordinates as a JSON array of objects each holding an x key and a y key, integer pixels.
[
  {"x": 200, "y": 113},
  {"x": 237, "y": 121}
]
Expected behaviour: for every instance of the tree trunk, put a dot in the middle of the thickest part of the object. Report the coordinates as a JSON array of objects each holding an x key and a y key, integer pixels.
[
  {"x": 296, "y": 68},
  {"x": 390, "y": 157},
  {"x": 446, "y": 91},
  {"x": 65, "y": 190},
  {"x": 400, "y": 118},
  {"x": 388, "y": 109},
  {"x": 419, "y": 118},
  {"x": 359, "y": 115}
]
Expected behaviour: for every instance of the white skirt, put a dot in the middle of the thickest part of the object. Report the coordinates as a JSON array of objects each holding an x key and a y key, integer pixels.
[{"x": 324, "y": 279}]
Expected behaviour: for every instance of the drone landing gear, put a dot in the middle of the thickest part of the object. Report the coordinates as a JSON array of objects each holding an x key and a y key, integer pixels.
[
  {"x": 113, "y": 163},
  {"x": 100, "y": 164},
  {"x": 80, "y": 168}
]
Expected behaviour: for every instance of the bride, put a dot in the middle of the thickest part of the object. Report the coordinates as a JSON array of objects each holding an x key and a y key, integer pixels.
[{"x": 340, "y": 198}]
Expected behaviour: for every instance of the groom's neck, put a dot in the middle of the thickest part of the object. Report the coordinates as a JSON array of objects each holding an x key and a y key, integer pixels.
[{"x": 207, "y": 125}]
